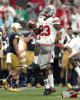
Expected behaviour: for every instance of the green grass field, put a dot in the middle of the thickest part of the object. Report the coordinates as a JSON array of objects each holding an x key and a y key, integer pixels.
[{"x": 32, "y": 94}]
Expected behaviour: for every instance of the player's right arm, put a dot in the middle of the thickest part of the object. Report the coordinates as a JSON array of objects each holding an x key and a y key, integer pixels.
[
  {"x": 32, "y": 25},
  {"x": 58, "y": 36},
  {"x": 37, "y": 30},
  {"x": 28, "y": 38}
]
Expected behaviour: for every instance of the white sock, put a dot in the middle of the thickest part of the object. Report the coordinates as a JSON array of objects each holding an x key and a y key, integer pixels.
[
  {"x": 46, "y": 83},
  {"x": 51, "y": 80},
  {"x": 77, "y": 69},
  {"x": 35, "y": 59}
]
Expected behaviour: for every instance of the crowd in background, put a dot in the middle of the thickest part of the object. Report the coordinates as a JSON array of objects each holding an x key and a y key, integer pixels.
[{"x": 68, "y": 11}]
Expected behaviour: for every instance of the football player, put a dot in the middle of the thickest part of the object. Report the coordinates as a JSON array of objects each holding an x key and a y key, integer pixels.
[
  {"x": 13, "y": 56},
  {"x": 65, "y": 57},
  {"x": 74, "y": 48},
  {"x": 30, "y": 40},
  {"x": 3, "y": 51},
  {"x": 46, "y": 30}
]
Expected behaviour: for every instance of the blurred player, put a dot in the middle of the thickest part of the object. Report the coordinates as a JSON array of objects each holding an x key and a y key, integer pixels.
[
  {"x": 13, "y": 56},
  {"x": 65, "y": 57},
  {"x": 30, "y": 40},
  {"x": 74, "y": 49},
  {"x": 4, "y": 66},
  {"x": 46, "y": 30}
]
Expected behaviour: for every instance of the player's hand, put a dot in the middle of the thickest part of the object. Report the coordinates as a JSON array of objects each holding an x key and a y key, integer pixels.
[
  {"x": 59, "y": 45},
  {"x": 23, "y": 60}
]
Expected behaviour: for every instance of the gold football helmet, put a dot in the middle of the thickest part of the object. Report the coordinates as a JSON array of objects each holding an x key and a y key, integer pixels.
[{"x": 16, "y": 27}]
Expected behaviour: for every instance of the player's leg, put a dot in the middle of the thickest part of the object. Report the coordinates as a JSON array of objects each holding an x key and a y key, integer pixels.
[
  {"x": 48, "y": 57},
  {"x": 36, "y": 55},
  {"x": 8, "y": 79},
  {"x": 44, "y": 62},
  {"x": 29, "y": 77},
  {"x": 40, "y": 44},
  {"x": 46, "y": 83},
  {"x": 29, "y": 60},
  {"x": 37, "y": 80},
  {"x": 36, "y": 52},
  {"x": 74, "y": 58},
  {"x": 65, "y": 64},
  {"x": 51, "y": 79},
  {"x": 16, "y": 67},
  {"x": 14, "y": 84}
]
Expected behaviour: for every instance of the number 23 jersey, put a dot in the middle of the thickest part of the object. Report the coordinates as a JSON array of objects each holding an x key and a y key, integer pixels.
[{"x": 48, "y": 32}]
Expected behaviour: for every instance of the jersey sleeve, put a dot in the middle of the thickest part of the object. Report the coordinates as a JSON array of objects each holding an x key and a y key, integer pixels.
[
  {"x": 15, "y": 36},
  {"x": 55, "y": 20}
]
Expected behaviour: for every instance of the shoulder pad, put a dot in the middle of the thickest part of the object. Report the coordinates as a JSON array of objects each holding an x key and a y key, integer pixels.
[{"x": 55, "y": 20}]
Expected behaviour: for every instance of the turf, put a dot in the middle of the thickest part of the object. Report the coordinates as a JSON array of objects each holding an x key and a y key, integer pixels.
[{"x": 33, "y": 94}]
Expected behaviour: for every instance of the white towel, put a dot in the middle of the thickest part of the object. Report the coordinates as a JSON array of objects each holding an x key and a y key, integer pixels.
[{"x": 8, "y": 60}]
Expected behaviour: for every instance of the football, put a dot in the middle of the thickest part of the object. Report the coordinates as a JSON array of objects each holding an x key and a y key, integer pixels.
[{"x": 31, "y": 24}]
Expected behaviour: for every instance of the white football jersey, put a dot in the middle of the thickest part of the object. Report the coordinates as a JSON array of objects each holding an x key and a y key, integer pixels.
[
  {"x": 75, "y": 44},
  {"x": 48, "y": 32}
]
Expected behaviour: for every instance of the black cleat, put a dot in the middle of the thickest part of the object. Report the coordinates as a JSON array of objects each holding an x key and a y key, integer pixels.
[
  {"x": 48, "y": 91},
  {"x": 53, "y": 89},
  {"x": 33, "y": 66}
]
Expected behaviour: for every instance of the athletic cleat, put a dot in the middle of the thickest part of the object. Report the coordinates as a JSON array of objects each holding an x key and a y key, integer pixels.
[
  {"x": 73, "y": 88},
  {"x": 29, "y": 85},
  {"x": 15, "y": 90},
  {"x": 38, "y": 85},
  {"x": 53, "y": 89},
  {"x": 12, "y": 89},
  {"x": 33, "y": 66},
  {"x": 5, "y": 83},
  {"x": 49, "y": 91},
  {"x": 69, "y": 86},
  {"x": 60, "y": 85}
]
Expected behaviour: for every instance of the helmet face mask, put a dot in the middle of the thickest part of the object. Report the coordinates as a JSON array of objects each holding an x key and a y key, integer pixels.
[
  {"x": 41, "y": 14},
  {"x": 50, "y": 11}
]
